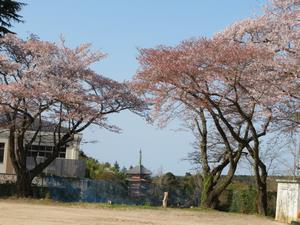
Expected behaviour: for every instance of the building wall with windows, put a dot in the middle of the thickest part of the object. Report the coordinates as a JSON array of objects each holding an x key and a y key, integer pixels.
[{"x": 40, "y": 150}]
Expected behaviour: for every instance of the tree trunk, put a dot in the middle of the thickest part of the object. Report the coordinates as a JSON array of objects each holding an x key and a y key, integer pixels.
[
  {"x": 262, "y": 200},
  {"x": 211, "y": 201},
  {"x": 212, "y": 191},
  {"x": 208, "y": 197},
  {"x": 16, "y": 148},
  {"x": 262, "y": 194},
  {"x": 23, "y": 184}
]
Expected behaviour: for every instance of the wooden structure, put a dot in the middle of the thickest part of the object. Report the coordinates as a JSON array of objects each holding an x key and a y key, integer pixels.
[
  {"x": 165, "y": 200},
  {"x": 138, "y": 179},
  {"x": 288, "y": 201}
]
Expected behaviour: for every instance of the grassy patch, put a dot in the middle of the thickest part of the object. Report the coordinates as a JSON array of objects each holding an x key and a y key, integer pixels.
[{"x": 75, "y": 204}]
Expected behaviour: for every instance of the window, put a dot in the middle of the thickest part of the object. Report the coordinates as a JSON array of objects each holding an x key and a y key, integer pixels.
[
  {"x": 62, "y": 154},
  {"x": 2, "y": 145},
  {"x": 45, "y": 151}
]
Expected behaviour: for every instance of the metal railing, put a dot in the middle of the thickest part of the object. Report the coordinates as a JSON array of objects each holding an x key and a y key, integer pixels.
[{"x": 60, "y": 167}]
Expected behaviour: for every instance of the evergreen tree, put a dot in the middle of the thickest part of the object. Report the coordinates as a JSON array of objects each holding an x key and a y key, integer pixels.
[
  {"x": 117, "y": 166},
  {"x": 9, "y": 13}
]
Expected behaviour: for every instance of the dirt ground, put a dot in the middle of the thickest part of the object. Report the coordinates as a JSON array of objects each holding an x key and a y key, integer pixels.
[{"x": 18, "y": 213}]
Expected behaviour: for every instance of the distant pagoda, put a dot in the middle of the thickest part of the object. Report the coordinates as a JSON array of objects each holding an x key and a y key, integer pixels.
[{"x": 138, "y": 179}]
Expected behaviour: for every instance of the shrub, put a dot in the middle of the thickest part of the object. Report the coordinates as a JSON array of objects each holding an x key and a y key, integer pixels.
[
  {"x": 243, "y": 201},
  {"x": 7, "y": 189}
]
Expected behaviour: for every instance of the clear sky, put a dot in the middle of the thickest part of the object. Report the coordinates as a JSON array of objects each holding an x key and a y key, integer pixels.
[{"x": 118, "y": 28}]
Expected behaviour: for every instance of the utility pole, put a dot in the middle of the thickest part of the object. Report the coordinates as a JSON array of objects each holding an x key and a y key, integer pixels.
[{"x": 140, "y": 162}]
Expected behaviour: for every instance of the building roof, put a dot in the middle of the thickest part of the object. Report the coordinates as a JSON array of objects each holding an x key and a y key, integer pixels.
[
  {"x": 140, "y": 169},
  {"x": 46, "y": 126}
]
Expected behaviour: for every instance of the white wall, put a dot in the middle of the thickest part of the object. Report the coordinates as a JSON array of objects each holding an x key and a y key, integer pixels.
[
  {"x": 72, "y": 151},
  {"x": 5, "y": 157},
  {"x": 287, "y": 204},
  {"x": 4, "y": 139}
]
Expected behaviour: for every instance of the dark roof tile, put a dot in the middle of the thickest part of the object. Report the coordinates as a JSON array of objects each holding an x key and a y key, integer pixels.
[{"x": 139, "y": 170}]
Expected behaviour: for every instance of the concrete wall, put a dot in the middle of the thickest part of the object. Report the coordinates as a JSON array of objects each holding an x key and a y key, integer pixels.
[
  {"x": 72, "y": 151},
  {"x": 6, "y": 166},
  {"x": 288, "y": 200}
]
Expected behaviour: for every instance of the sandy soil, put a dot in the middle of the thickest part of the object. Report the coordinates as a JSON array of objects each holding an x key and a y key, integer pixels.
[{"x": 18, "y": 213}]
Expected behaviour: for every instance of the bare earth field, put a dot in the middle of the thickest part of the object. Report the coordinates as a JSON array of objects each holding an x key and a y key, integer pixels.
[{"x": 20, "y": 213}]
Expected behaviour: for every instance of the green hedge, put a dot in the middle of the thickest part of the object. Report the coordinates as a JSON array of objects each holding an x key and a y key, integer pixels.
[
  {"x": 242, "y": 199},
  {"x": 7, "y": 189}
]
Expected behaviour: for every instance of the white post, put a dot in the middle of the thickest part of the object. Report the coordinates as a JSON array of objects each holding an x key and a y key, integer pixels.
[{"x": 165, "y": 200}]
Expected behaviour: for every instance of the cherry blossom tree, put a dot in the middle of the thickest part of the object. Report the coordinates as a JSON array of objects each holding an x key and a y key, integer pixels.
[
  {"x": 43, "y": 84},
  {"x": 216, "y": 78},
  {"x": 247, "y": 77},
  {"x": 278, "y": 31}
]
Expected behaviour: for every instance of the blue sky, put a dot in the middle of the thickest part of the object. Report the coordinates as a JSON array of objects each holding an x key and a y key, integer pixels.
[{"x": 118, "y": 28}]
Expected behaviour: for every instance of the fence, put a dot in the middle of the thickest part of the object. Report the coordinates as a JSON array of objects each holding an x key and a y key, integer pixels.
[{"x": 87, "y": 190}]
